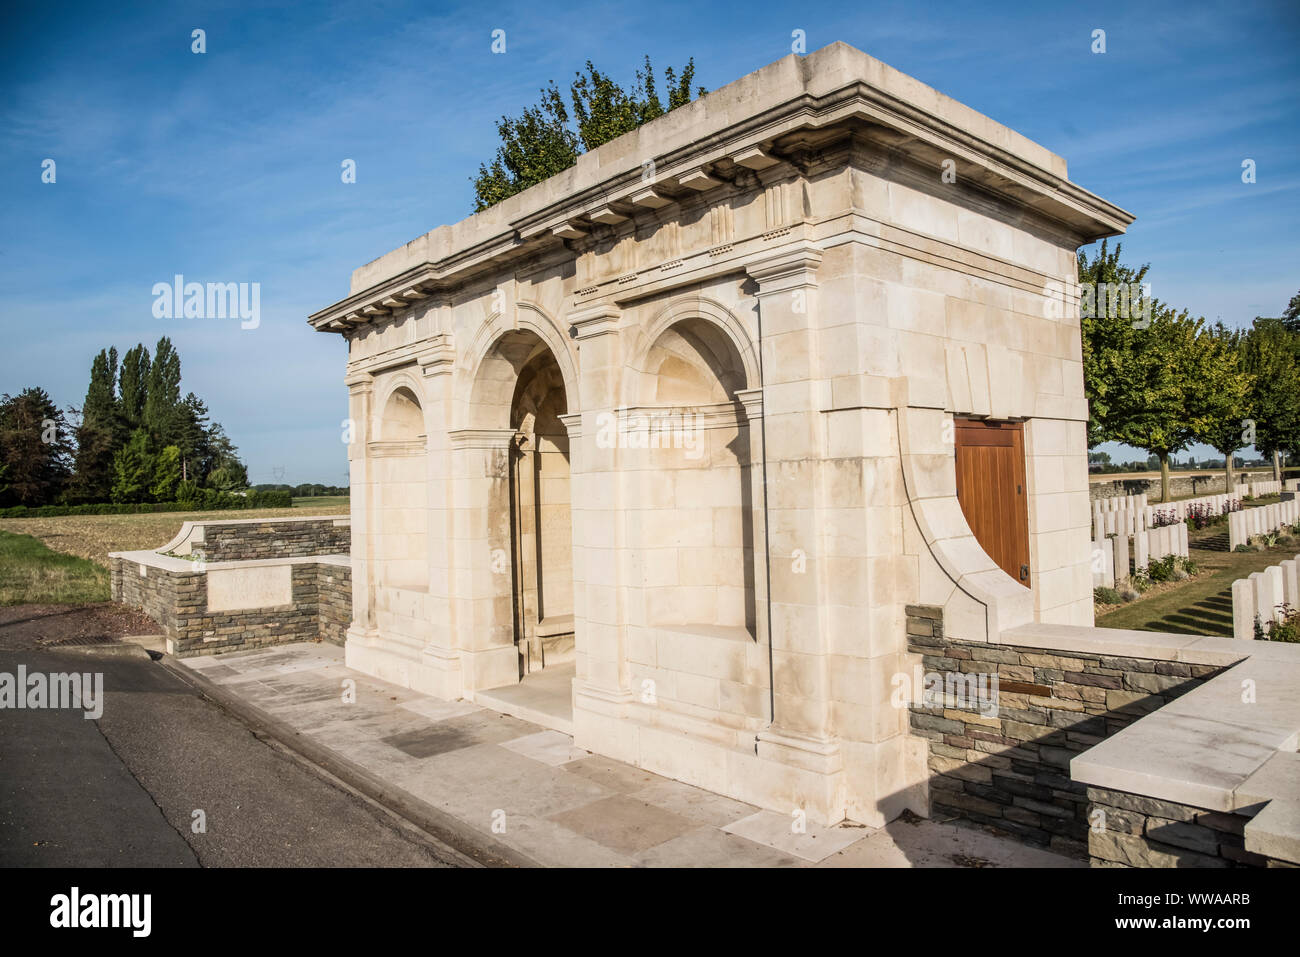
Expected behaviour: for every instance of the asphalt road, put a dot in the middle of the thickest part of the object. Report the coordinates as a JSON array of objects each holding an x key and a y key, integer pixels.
[{"x": 122, "y": 791}]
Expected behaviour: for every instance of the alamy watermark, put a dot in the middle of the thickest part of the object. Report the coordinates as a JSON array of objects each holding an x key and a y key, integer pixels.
[
  {"x": 125, "y": 911},
  {"x": 61, "y": 690},
  {"x": 214, "y": 300},
  {"x": 974, "y": 691},
  {"x": 1116, "y": 300},
  {"x": 651, "y": 429}
]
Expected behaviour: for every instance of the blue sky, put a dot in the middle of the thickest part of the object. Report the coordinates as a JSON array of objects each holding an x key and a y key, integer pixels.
[{"x": 225, "y": 166}]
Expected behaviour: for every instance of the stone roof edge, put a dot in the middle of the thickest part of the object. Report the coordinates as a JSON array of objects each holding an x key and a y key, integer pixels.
[{"x": 857, "y": 87}]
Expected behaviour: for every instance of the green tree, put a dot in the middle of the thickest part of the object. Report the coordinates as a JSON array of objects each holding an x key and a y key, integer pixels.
[
  {"x": 133, "y": 388},
  {"x": 1227, "y": 428},
  {"x": 604, "y": 111},
  {"x": 1169, "y": 395},
  {"x": 133, "y": 469},
  {"x": 99, "y": 433},
  {"x": 226, "y": 472},
  {"x": 1291, "y": 315},
  {"x": 1271, "y": 356},
  {"x": 543, "y": 140},
  {"x": 1109, "y": 338},
  {"x": 35, "y": 448},
  {"x": 191, "y": 435},
  {"x": 163, "y": 394},
  {"x": 166, "y": 475}
]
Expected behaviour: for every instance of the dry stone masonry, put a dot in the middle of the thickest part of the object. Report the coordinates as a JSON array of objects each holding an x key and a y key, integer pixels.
[
  {"x": 276, "y": 580},
  {"x": 1010, "y": 769}
]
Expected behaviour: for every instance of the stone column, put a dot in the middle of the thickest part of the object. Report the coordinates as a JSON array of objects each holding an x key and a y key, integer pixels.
[{"x": 573, "y": 424}]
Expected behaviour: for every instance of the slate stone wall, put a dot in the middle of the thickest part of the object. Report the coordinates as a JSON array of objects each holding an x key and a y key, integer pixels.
[
  {"x": 237, "y": 542},
  {"x": 1011, "y": 771},
  {"x": 1130, "y": 830},
  {"x": 177, "y": 601},
  {"x": 334, "y": 602}
]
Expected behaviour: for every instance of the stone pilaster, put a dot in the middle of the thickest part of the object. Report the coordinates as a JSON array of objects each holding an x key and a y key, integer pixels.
[
  {"x": 483, "y": 602},
  {"x": 801, "y": 732},
  {"x": 599, "y": 547},
  {"x": 360, "y": 400},
  {"x": 441, "y": 655}
]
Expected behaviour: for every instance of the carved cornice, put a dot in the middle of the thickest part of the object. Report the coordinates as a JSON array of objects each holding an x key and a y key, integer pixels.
[{"x": 779, "y": 141}]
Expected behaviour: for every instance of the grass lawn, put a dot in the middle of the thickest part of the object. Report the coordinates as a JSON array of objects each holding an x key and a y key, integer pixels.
[
  {"x": 321, "y": 501},
  {"x": 31, "y": 572},
  {"x": 94, "y": 536},
  {"x": 1202, "y": 606}
]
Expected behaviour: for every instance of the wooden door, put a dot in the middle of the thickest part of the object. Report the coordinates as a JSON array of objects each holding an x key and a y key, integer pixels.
[{"x": 992, "y": 493}]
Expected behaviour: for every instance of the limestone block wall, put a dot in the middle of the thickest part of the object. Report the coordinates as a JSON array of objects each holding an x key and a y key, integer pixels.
[
  {"x": 830, "y": 304},
  {"x": 1011, "y": 770}
]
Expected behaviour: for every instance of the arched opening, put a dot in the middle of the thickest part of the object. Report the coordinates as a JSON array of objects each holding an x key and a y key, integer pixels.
[
  {"x": 541, "y": 528},
  {"x": 401, "y": 494},
  {"x": 699, "y": 535},
  {"x": 518, "y": 397}
]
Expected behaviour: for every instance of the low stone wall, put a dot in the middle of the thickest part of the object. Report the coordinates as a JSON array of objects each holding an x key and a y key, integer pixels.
[
  {"x": 213, "y": 608},
  {"x": 1181, "y": 485},
  {"x": 1129, "y": 830},
  {"x": 232, "y": 584},
  {"x": 334, "y": 602},
  {"x": 237, "y": 540},
  {"x": 1011, "y": 770}
]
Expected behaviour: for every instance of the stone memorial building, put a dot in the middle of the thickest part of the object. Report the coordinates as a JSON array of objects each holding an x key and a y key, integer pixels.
[{"x": 660, "y": 451}]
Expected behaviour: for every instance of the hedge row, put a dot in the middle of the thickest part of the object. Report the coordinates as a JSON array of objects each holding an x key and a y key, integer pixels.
[{"x": 209, "y": 500}]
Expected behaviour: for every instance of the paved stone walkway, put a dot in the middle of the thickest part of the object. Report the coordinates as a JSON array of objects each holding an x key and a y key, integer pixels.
[{"x": 558, "y": 804}]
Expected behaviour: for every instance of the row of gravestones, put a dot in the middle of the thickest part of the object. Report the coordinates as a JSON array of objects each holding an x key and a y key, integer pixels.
[
  {"x": 1246, "y": 524},
  {"x": 1131, "y": 513},
  {"x": 1110, "y": 555},
  {"x": 1265, "y": 596}
]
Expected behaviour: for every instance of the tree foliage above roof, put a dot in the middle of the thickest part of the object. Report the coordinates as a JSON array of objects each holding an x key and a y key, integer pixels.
[{"x": 546, "y": 138}]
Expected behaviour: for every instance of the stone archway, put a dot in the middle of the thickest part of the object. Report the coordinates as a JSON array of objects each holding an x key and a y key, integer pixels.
[
  {"x": 542, "y": 533},
  {"x": 398, "y": 454},
  {"x": 515, "y": 462},
  {"x": 700, "y": 539}
]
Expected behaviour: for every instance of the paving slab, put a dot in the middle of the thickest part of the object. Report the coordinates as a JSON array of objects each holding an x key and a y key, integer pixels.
[
  {"x": 811, "y": 842},
  {"x": 548, "y": 747},
  {"x": 530, "y": 789},
  {"x": 625, "y": 824}
]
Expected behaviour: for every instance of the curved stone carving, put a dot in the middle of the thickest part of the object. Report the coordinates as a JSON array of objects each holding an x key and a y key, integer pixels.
[{"x": 984, "y": 600}]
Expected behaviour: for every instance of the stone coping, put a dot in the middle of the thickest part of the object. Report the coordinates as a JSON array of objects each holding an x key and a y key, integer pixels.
[
  {"x": 1216, "y": 747},
  {"x": 182, "y": 566}
]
